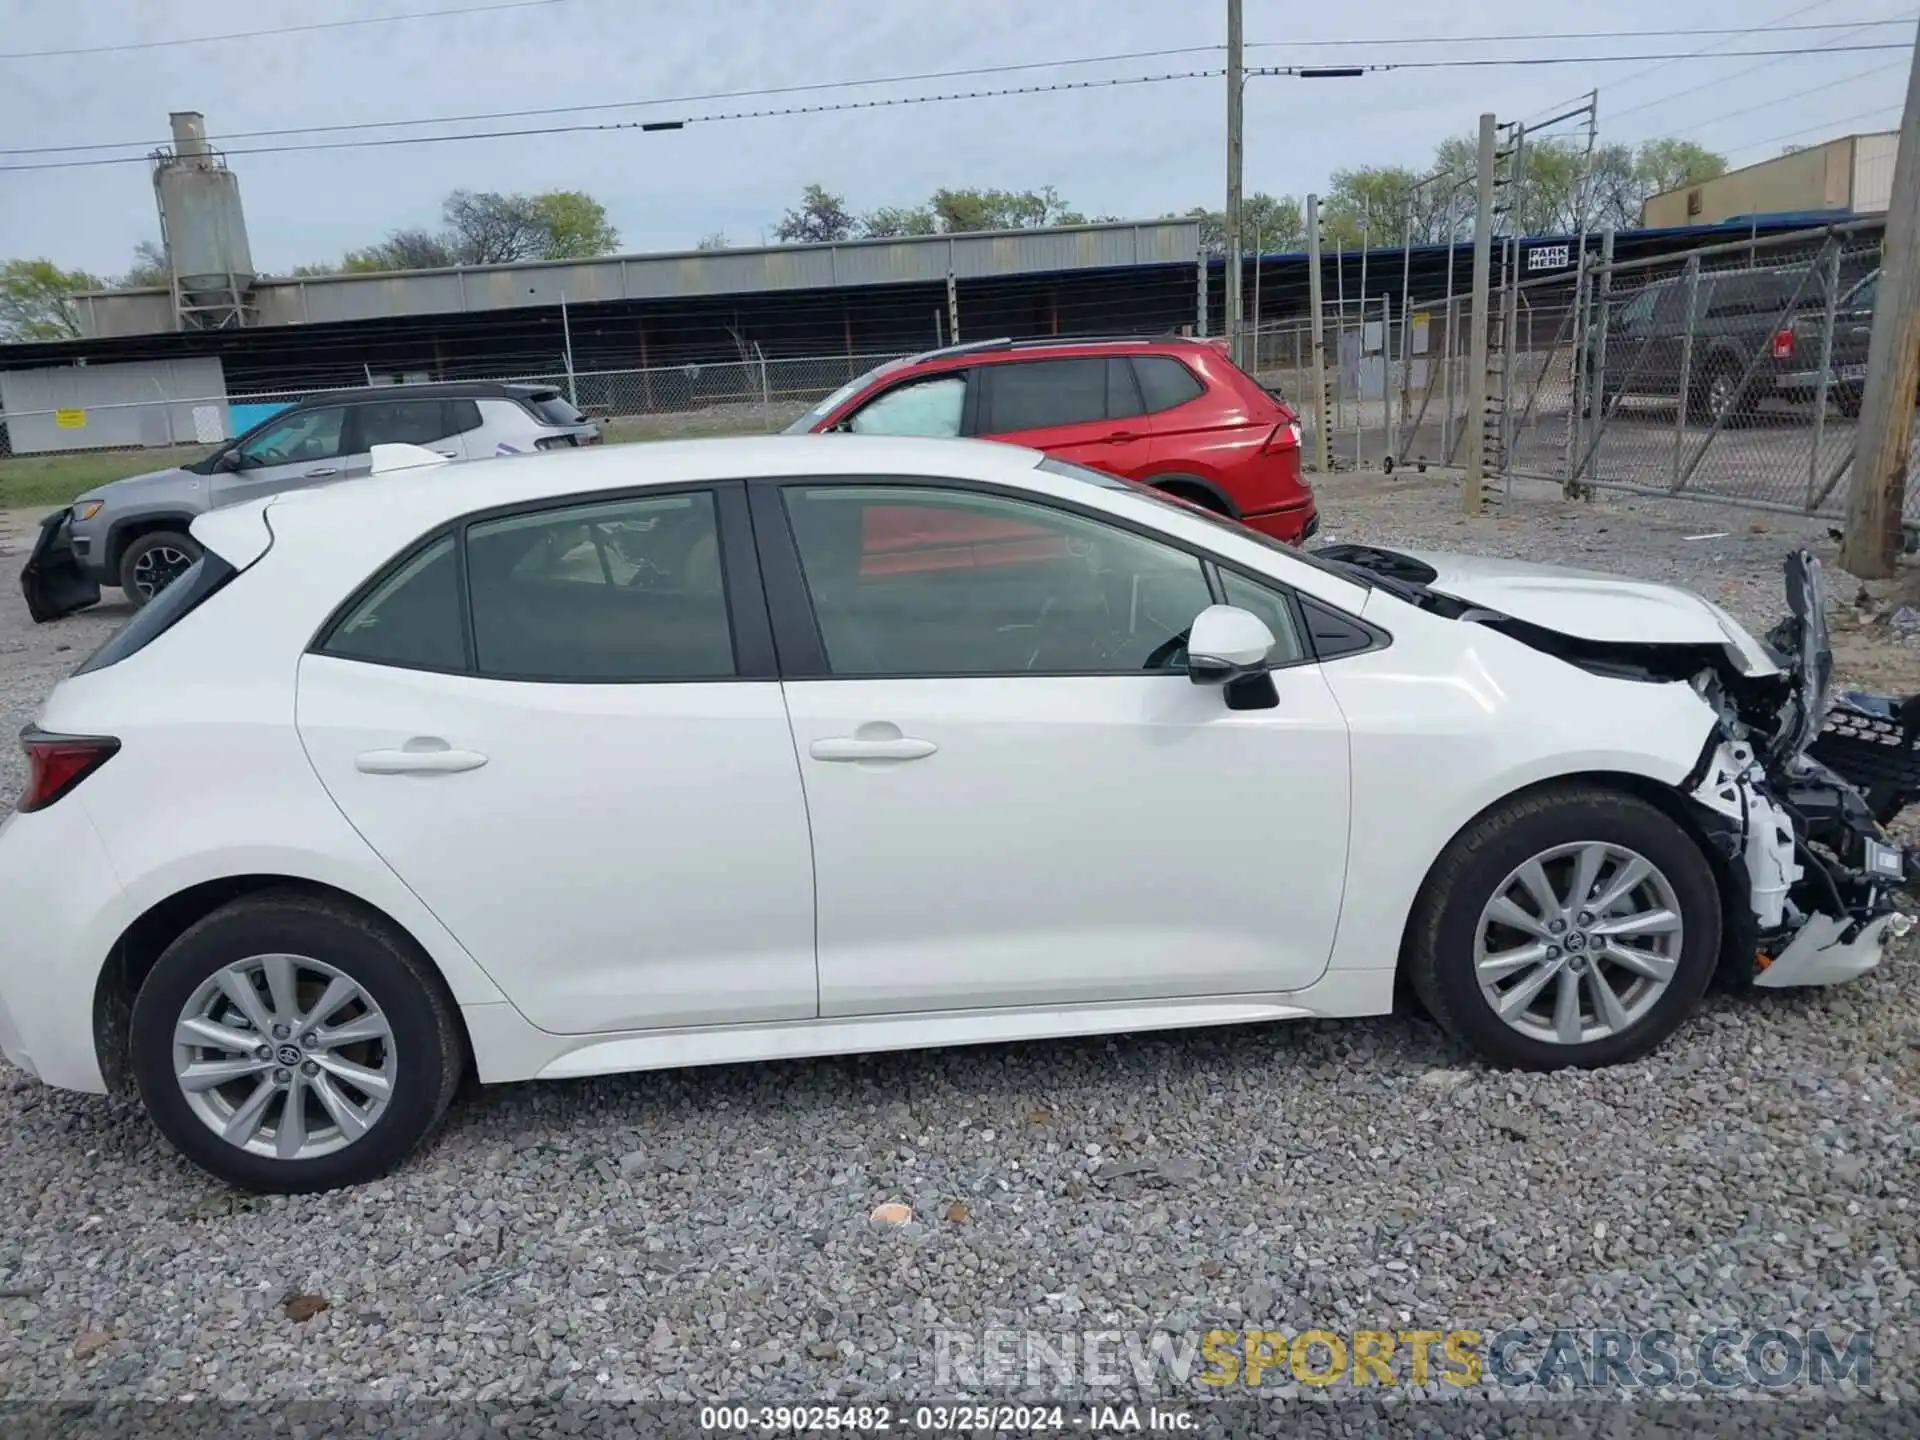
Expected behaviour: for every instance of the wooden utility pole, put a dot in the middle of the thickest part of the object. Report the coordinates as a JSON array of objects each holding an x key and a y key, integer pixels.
[
  {"x": 1882, "y": 439},
  {"x": 1236, "y": 154},
  {"x": 1472, "y": 480}
]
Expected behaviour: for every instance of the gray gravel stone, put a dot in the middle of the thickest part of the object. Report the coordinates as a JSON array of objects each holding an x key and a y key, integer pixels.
[{"x": 703, "y": 1234}]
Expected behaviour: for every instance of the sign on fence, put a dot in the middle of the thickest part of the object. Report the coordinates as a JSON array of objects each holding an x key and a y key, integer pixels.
[
  {"x": 1549, "y": 257},
  {"x": 70, "y": 419}
]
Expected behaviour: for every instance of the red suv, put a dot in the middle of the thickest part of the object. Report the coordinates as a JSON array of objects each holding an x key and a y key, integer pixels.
[{"x": 1176, "y": 414}]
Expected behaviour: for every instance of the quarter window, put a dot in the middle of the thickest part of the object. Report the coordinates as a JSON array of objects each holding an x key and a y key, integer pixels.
[
  {"x": 930, "y": 581},
  {"x": 932, "y": 407},
  {"x": 1271, "y": 606},
  {"x": 1165, "y": 382},
  {"x": 626, "y": 590}
]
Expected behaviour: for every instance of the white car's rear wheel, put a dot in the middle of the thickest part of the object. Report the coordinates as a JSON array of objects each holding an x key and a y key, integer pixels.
[
  {"x": 1570, "y": 927},
  {"x": 287, "y": 1044}
]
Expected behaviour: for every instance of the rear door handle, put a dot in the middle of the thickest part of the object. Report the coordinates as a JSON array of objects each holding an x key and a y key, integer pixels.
[
  {"x": 418, "y": 757},
  {"x": 849, "y": 748},
  {"x": 1121, "y": 437},
  {"x": 321, "y": 474},
  {"x": 450, "y": 454}
]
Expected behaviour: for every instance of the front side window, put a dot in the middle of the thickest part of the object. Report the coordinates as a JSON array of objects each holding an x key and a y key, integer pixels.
[
  {"x": 403, "y": 422},
  {"x": 626, "y": 590},
  {"x": 303, "y": 436},
  {"x": 931, "y": 581},
  {"x": 933, "y": 407},
  {"x": 1040, "y": 394}
]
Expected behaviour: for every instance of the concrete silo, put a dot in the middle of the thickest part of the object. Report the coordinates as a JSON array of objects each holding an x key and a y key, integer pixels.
[{"x": 203, "y": 230}]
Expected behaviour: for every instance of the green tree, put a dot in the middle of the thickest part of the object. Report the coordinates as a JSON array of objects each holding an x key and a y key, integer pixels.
[
  {"x": 820, "y": 216},
  {"x": 36, "y": 300},
  {"x": 894, "y": 220},
  {"x": 573, "y": 226},
  {"x": 1272, "y": 224},
  {"x": 149, "y": 268},
  {"x": 716, "y": 240}
]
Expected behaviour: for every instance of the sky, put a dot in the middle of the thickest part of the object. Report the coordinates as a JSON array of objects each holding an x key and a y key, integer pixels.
[{"x": 1133, "y": 151}]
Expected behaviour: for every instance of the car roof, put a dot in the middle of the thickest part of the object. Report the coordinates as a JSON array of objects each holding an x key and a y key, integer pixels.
[
  {"x": 1004, "y": 348},
  {"x": 435, "y": 493},
  {"x": 438, "y": 390}
]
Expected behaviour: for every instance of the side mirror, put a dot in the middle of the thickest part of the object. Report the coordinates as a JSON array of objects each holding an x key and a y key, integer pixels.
[
  {"x": 1226, "y": 643},
  {"x": 229, "y": 461}
]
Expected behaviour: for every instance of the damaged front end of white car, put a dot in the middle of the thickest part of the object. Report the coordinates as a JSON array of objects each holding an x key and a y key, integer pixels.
[{"x": 1781, "y": 790}]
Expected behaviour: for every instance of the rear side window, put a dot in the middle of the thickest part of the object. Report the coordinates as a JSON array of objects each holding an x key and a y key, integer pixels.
[
  {"x": 197, "y": 584},
  {"x": 462, "y": 416},
  {"x": 1165, "y": 382},
  {"x": 1039, "y": 394},
  {"x": 403, "y": 422},
  {"x": 412, "y": 619},
  {"x": 555, "y": 409}
]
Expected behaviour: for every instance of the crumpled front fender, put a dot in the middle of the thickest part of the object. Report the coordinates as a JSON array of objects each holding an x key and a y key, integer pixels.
[{"x": 52, "y": 580}]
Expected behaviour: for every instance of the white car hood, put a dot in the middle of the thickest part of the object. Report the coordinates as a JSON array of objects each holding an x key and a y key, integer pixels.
[{"x": 1593, "y": 606}]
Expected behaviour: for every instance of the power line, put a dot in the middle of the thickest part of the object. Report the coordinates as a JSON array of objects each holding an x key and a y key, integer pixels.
[
  {"x": 1770, "y": 25},
  {"x": 276, "y": 30},
  {"x": 895, "y": 102},
  {"x": 1778, "y": 100},
  {"x": 1736, "y": 74},
  {"x": 1823, "y": 125},
  {"x": 916, "y": 77}
]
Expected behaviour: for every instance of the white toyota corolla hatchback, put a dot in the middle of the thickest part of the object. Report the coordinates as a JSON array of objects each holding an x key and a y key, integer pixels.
[{"x": 728, "y": 750}]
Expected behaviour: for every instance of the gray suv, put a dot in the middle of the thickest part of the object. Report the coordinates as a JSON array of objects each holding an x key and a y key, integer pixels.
[{"x": 133, "y": 532}]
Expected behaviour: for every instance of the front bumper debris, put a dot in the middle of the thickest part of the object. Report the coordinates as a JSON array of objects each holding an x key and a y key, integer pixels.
[
  {"x": 1831, "y": 952},
  {"x": 52, "y": 580}
]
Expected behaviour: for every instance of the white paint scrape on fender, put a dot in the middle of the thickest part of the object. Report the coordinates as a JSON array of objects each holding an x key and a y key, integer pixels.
[
  {"x": 1767, "y": 833},
  {"x": 1818, "y": 956}
]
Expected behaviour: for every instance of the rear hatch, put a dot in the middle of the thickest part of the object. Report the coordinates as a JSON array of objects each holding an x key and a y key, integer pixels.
[{"x": 562, "y": 414}]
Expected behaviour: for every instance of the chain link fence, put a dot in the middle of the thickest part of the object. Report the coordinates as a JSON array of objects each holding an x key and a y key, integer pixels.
[{"x": 1732, "y": 372}]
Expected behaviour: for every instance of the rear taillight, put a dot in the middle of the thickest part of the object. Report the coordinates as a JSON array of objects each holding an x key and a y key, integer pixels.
[
  {"x": 1782, "y": 344},
  {"x": 57, "y": 763},
  {"x": 554, "y": 442},
  {"x": 1284, "y": 436}
]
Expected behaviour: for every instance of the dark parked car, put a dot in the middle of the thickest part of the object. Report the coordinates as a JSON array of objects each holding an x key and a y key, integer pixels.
[{"x": 1737, "y": 315}]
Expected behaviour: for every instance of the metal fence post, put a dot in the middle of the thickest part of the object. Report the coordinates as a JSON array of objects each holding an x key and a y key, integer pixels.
[
  {"x": 1683, "y": 400},
  {"x": 1386, "y": 369},
  {"x": 566, "y": 333},
  {"x": 1200, "y": 324},
  {"x": 1826, "y": 372},
  {"x": 953, "y": 308},
  {"x": 1322, "y": 452},
  {"x": 1597, "y": 380}
]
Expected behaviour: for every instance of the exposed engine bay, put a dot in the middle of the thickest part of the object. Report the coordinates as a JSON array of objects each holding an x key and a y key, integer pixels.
[{"x": 1794, "y": 786}]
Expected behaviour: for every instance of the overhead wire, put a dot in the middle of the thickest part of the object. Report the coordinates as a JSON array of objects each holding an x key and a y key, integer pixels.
[
  {"x": 305, "y": 28},
  {"x": 893, "y": 102}
]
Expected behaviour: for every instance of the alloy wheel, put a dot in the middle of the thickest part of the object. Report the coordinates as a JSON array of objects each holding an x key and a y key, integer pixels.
[
  {"x": 284, "y": 1056},
  {"x": 1579, "y": 943},
  {"x": 158, "y": 568}
]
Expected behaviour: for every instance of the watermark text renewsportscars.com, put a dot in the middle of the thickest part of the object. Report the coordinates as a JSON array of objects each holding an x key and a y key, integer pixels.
[{"x": 1221, "y": 1362}]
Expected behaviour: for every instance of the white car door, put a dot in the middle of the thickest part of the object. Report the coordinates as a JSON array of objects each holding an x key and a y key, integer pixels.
[
  {"x": 1017, "y": 795},
  {"x": 589, "y": 777}
]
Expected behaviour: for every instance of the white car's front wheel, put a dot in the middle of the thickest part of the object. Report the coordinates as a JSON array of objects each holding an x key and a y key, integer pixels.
[{"x": 1567, "y": 927}]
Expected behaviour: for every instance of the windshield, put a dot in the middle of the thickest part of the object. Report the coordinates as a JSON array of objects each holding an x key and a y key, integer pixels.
[
  {"x": 805, "y": 424},
  {"x": 1352, "y": 574}
]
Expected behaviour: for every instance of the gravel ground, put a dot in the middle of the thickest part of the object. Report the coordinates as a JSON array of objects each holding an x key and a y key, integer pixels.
[{"x": 705, "y": 1234}]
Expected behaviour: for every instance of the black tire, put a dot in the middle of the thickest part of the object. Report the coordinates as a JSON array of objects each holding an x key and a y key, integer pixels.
[
  {"x": 1722, "y": 377},
  {"x": 429, "y": 1052},
  {"x": 151, "y": 562},
  {"x": 1442, "y": 934},
  {"x": 1847, "y": 402}
]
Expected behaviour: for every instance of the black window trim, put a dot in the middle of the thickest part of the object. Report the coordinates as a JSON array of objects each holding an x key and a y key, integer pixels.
[
  {"x": 802, "y": 652},
  {"x": 356, "y": 438},
  {"x": 748, "y": 618}
]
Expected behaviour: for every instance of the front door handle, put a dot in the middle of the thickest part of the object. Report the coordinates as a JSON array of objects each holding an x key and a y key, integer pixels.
[
  {"x": 850, "y": 747},
  {"x": 450, "y": 454},
  {"x": 420, "y": 756},
  {"x": 321, "y": 474},
  {"x": 1122, "y": 437}
]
